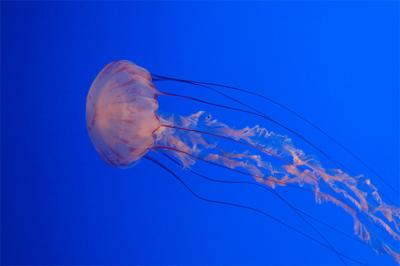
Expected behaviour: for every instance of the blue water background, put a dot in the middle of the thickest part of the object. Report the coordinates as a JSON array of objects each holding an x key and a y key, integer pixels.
[{"x": 337, "y": 63}]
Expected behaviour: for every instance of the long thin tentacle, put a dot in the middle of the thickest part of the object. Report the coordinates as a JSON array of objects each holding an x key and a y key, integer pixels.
[
  {"x": 261, "y": 116},
  {"x": 264, "y": 213},
  {"x": 287, "y": 203},
  {"x": 199, "y": 158},
  {"x": 333, "y": 228},
  {"x": 208, "y": 85}
]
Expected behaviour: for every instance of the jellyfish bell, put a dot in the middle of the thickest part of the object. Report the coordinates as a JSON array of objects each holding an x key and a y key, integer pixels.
[{"x": 121, "y": 113}]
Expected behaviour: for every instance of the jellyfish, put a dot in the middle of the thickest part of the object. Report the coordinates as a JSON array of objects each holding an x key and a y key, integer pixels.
[{"x": 125, "y": 126}]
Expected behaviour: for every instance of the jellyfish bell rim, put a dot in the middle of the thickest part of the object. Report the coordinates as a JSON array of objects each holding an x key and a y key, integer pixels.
[{"x": 97, "y": 137}]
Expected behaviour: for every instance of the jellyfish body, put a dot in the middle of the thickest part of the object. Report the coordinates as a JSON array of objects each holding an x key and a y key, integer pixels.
[
  {"x": 121, "y": 113},
  {"x": 124, "y": 124}
]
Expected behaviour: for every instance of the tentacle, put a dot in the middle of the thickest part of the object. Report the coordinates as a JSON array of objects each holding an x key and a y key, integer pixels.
[
  {"x": 303, "y": 138},
  {"x": 281, "y": 198},
  {"x": 251, "y": 209},
  {"x": 295, "y": 169},
  {"x": 330, "y": 179},
  {"x": 269, "y": 190},
  {"x": 210, "y": 86},
  {"x": 360, "y": 229}
]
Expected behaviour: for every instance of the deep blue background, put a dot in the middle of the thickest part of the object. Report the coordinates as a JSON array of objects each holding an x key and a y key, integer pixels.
[{"x": 337, "y": 63}]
